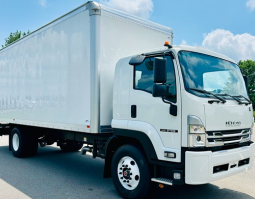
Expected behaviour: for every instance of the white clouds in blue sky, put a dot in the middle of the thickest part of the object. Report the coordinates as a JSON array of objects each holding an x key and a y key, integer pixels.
[
  {"x": 230, "y": 31},
  {"x": 251, "y": 4},
  {"x": 238, "y": 47},
  {"x": 183, "y": 42},
  {"x": 42, "y": 3},
  {"x": 140, "y": 8}
]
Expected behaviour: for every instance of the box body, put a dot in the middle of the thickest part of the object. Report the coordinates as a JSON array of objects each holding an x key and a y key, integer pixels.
[{"x": 61, "y": 75}]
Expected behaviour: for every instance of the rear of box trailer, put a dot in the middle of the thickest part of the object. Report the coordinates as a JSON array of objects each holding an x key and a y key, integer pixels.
[{"x": 61, "y": 75}]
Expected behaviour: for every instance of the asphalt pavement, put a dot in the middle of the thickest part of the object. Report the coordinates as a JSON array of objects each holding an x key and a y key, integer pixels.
[{"x": 52, "y": 174}]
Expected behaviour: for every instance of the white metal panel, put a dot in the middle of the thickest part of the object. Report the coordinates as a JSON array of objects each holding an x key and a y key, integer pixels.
[
  {"x": 199, "y": 165},
  {"x": 138, "y": 21},
  {"x": 156, "y": 140},
  {"x": 191, "y": 105},
  {"x": 152, "y": 134},
  {"x": 156, "y": 112},
  {"x": 95, "y": 26},
  {"x": 45, "y": 77},
  {"x": 123, "y": 35},
  {"x": 217, "y": 115},
  {"x": 121, "y": 90},
  {"x": 120, "y": 124}
]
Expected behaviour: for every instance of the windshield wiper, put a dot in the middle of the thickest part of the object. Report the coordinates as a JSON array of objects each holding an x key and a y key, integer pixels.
[
  {"x": 236, "y": 98},
  {"x": 233, "y": 97},
  {"x": 206, "y": 92},
  {"x": 241, "y": 96}
]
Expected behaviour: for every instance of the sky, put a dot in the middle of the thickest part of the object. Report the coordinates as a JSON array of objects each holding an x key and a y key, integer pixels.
[{"x": 224, "y": 26}]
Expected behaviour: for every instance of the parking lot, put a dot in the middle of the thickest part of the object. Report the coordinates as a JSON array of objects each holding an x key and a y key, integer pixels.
[{"x": 54, "y": 174}]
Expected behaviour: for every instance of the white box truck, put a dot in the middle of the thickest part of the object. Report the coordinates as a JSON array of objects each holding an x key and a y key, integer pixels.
[{"x": 103, "y": 79}]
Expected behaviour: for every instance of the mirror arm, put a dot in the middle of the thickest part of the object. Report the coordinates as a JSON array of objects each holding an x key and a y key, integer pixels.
[
  {"x": 166, "y": 101},
  {"x": 163, "y": 99},
  {"x": 172, "y": 108}
]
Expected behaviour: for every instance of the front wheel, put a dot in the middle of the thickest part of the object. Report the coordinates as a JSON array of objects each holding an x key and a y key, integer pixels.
[{"x": 130, "y": 172}]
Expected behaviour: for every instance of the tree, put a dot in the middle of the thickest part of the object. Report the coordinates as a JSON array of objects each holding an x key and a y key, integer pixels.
[
  {"x": 14, "y": 36},
  {"x": 248, "y": 68}
]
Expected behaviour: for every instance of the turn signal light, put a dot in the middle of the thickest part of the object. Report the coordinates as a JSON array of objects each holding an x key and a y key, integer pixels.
[{"x": 168, "y": 154}]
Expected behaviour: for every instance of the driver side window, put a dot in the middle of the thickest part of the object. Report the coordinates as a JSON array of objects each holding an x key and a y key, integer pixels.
[{"x": 143, "y": 77}]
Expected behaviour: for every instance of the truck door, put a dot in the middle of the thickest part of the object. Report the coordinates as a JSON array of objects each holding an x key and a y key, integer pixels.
[{"x": 152, "y": 110}]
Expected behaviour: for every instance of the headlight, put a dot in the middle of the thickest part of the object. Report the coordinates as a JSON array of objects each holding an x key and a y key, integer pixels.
[
  {"x": 196, "y": 140},
  {"x": 196, "y": 136},
  {"x": 196, "y": 132}
]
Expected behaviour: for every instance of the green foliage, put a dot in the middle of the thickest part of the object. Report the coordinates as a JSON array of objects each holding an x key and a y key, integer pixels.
[
  {"x": 14, "y": 36},
  {"x": 248, "y": 68}
]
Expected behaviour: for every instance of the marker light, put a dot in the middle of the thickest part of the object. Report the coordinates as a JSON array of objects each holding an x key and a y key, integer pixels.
[
  {"x": 167, "y": 44},
  {"x": 161, "y": 186}
]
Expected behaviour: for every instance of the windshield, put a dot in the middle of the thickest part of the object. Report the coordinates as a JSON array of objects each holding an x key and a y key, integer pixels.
[{"x": 211, "y": 74}]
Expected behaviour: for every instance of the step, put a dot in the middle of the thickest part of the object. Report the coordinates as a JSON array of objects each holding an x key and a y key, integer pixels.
[{"x": 162, "y": 181}]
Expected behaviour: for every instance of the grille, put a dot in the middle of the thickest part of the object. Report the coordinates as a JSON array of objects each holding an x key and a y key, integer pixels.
[{"x": 221, "y": 138}]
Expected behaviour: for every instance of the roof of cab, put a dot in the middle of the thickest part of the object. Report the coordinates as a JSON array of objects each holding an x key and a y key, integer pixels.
[
  {"x": 184, "y": 48},
  {"x": 203, "y": 51}
]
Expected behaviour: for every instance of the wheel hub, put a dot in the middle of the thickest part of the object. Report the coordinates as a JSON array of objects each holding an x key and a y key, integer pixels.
[
  {"x": 15, "y": 142},
  {"x": 128, "y": 173}
]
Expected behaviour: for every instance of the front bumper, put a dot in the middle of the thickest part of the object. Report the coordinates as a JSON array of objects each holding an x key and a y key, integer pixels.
[{"x": 207, "y": 166}]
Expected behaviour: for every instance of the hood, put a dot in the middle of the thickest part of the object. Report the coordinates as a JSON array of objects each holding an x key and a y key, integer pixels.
[{"x": 228, "y": 116}]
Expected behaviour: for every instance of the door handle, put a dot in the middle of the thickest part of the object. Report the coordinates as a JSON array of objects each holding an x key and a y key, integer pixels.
[{"x": 133, "y": 111}]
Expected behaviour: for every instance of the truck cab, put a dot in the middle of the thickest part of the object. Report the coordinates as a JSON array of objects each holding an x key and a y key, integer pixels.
[{"x": 190, "y": 108}]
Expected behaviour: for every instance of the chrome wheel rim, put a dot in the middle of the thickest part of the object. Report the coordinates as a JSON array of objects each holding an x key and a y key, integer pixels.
[
  {"x": 128, "y": 173},
  {"x": 15, "y": 142}
]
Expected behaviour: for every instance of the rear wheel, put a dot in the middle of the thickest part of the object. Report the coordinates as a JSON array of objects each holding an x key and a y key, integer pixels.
[
  {"x": 130, "y": 172},
  {"x": 22, "y": 143},
  {"x": 70, "y": 146}
]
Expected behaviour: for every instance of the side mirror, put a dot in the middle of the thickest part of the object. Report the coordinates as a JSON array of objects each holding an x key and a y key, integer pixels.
[
  {"x": 159, "y": 70},
  {"x": 159, "y": 90},
  {"x": 246, "y": 82}
]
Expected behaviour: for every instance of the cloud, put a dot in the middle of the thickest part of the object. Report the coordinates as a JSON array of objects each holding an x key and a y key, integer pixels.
[
  {"x": 183, "y": 42},
  {"x": 140, "y": 8},
  {"x": 43, "y": 3},
  {"x": 238, "y": 47},
  {"x": 251, "y": 4}
]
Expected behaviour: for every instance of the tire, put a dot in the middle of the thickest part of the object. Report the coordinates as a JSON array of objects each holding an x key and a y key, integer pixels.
[
  {"x": 130, "y": 173},
  {"x": 70, "y": 146},
  {"x": 23, "y": 144}
]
